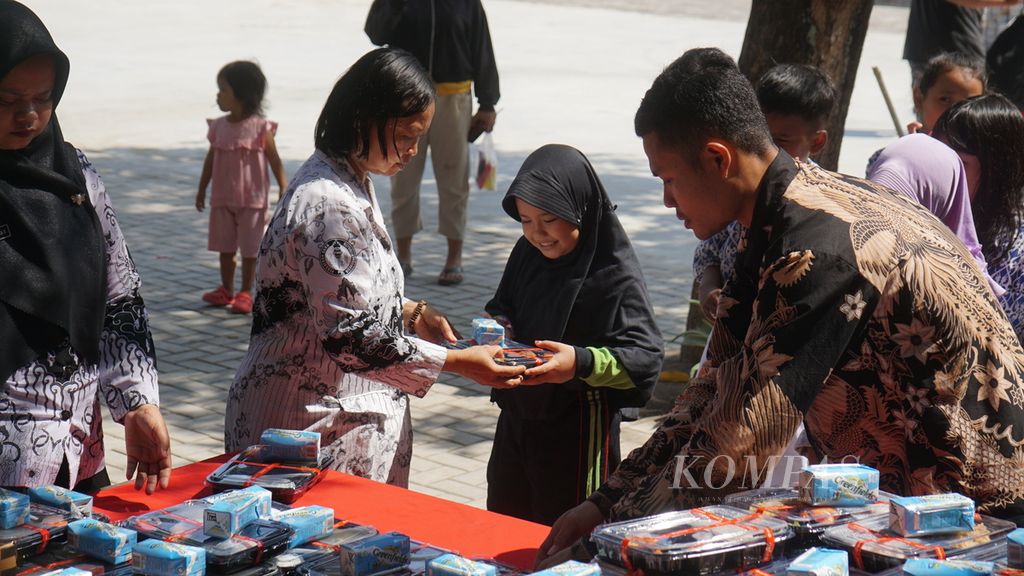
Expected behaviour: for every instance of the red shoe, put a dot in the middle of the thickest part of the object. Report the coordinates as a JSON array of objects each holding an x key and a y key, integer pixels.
[
  {"x": 219, "y": 297},
  {"x": 242, "y": 303}
]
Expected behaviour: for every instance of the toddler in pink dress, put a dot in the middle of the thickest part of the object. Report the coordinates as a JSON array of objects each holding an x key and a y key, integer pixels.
[{"x": 241, "y": 148}]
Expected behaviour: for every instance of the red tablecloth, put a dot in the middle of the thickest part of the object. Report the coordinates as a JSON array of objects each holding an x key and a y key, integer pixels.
[{"x": 469, "y": 531}]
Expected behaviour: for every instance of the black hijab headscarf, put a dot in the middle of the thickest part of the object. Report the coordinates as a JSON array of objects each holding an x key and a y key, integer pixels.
[
  {"x": 52, "y": 270},
  {"x": 594, "y": 296}
]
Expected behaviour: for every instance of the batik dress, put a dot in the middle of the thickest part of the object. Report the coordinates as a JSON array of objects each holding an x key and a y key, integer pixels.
[{"x": 328, "y": 351}]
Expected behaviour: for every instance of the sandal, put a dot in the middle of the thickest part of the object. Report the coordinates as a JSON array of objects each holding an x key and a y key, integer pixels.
[{"x": 450, "y": 276}]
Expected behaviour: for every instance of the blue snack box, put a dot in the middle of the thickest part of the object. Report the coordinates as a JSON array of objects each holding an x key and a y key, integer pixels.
[
  {"x": 820, "y": 562},
  {"x": 930, "y": 567},
  {"x": 291, "y": 445},
  {"x": 69, "y": 572},
  {"x": 13, "y": 508},
  {"x": 454, "y": 565},
  {"x": 231, "y": 511},
  {"x": 838, "y": 485},
  {"x": 1015, "y": 549},
  {"x": 159, "y": 558},
  {"x": 80, "y": 505},
  {"x": 375, "y": 554},
  {"x": 571, "y": 568},
  {"x": 487, "y": 331},
  {"x": 309, "y": 522},
  {"x": 932, "y": 514},
  {"x": 101, "y": 540}
]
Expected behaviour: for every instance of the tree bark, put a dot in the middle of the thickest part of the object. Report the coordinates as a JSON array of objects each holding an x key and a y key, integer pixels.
[{"x": 828, "y": 34}]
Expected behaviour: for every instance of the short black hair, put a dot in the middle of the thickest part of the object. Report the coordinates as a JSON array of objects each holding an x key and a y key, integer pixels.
[
  {"x": 247, "y": 82},
  {"x": 797, "y": 89},
  {"x": 990, "y": 127},
  {"x": 973, "y": 66},
  {"x": 699, "y": 96},
  {"x": 384, "y": 84}
]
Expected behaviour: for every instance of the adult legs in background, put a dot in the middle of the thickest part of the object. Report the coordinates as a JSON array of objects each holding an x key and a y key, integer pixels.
[
  {"x": 450, "y": 158},
  {"x": 449, "y": 150}
]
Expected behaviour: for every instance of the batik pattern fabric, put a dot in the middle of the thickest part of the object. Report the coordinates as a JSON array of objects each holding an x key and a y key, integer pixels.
[
  {"x": 858, "y": 313},
  {"x": 50, "y": 409},
  {"x": 1010, "y": 275},
  {"x": 719, "y": 250},
  {"x": 328, "y": 351}
]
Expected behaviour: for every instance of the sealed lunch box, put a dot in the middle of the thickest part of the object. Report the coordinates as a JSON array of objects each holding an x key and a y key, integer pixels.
[
  {"x": 60, "y": 556},
  {"x": 288, "y": 562},
  {"x": 183, "y": 523},
  {"x": 698, "y": 541},
  {"x": 874, "y": 548},
  {"x": 44, "y": 526},
  {"x": 515, "y": 353},
  {"x": 808, "y": 521},
  {"x": 254, "y": 467}
]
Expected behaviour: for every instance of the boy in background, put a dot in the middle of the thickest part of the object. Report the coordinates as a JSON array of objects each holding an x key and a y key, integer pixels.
[{"x": 797, "y": 101}]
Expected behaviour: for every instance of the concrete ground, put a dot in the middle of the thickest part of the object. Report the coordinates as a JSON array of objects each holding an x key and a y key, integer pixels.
[{"x": 572, "y": 71}]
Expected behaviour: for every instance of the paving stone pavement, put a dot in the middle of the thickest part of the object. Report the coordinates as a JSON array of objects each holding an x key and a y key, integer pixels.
[
  {"x": 200, "y": 347},
  {"x": 570, "y": 73}
]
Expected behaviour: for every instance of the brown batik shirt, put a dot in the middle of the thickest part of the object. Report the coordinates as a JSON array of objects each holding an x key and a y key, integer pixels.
[{"x": 858, "y": 313}]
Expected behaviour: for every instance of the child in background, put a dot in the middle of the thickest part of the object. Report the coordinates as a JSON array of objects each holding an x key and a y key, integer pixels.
[
  {"x": 572, "y": 285},
  {"x": 241, "y": 147},
  {"x": 948, "y": 78},
  {"x": 797, "y": 101},
  {"x": 987, "y": 132}
]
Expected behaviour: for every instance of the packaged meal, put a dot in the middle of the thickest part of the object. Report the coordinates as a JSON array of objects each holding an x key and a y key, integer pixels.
[
  {"x": 183, "y": 523},
  {"x": 254, "y": 466},
  {"x": 874, "y": 548},
  {"x": 698, "y": 541},
  {"x": 807, "y": 521}
]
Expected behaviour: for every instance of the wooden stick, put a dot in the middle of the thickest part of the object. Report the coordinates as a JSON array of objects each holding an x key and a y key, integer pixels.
[{"x": 888, "y": 101}]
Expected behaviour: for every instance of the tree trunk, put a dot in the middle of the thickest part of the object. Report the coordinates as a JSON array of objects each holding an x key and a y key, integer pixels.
[{"x": 828, "y": 34}]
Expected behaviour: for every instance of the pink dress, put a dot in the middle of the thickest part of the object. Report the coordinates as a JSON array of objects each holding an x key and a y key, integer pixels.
[{"x": 240, "y": 175}]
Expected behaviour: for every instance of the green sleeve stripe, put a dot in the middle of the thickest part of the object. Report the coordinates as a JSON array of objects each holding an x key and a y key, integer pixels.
[{"x": 608, "y": 371}]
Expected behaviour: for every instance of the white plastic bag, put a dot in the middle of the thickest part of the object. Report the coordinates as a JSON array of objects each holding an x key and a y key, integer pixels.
[{"x": 487, "y": 164}]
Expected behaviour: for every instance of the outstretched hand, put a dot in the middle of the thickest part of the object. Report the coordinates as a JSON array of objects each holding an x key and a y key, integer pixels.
[
  {"x": 478, "y": 364},
  {"x": 559, "y": 369},
  {"x": 148, "y": 447}
]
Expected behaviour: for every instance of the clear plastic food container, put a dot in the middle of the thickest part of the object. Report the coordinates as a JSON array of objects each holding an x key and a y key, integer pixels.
[
  {"x": 183, "y": 523},
  {"x": 807, "y": 521},
  {"x": 873, "y": 548},
  {"x": 287, "y": 482},
  {"x": 60, "y": 556},
  {"x": 698, "y": 541},
  {"x": 44, "y": 526}
]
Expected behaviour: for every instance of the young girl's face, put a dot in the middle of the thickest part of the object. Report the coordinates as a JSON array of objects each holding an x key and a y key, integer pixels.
[
  {"x": 549, "y": 234},
  {"x": 951, "y": 87},
  {"x": 226, "y": 100},
  {"x": 401, "y": 138},
  {"x": 26, "y": 101}
]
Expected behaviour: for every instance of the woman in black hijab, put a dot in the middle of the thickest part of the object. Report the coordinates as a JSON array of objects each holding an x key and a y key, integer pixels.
[
  {"x": 72, "y": 324},
  {"x": 573, "y": 285}
]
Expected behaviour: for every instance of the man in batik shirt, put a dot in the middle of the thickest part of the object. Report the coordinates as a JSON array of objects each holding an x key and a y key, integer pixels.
[{"x": 853, "y": 310}]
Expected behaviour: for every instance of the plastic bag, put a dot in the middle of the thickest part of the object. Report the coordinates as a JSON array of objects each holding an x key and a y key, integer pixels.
[{"x": 487, "y": 164}]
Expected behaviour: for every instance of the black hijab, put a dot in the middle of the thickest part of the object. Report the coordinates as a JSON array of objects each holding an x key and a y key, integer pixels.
[
  {"x": 52, "y": 270},
  {"x": 594, "y": 296}
]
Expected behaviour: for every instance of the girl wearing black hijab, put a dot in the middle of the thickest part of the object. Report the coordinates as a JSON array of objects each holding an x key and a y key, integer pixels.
[
  {"x": 72, "y": 324},
  {"x": 572, "y": 285}
]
